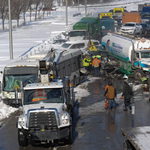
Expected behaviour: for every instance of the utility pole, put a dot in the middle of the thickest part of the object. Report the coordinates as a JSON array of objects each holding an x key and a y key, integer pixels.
[
  {"x": 66, "y": 12},
  {"x": 10, "y": 31},
  {"x": 85, "y": 8},
  {"x": 78, "y": 5}
]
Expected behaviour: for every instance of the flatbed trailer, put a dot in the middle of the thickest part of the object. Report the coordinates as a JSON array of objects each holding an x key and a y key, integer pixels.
[{"x": 137, "y": 138}]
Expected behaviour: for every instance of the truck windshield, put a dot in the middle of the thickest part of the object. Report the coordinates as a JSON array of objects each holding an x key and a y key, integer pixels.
[
  {"x": 129, "y": 24},
  {"x": 36, "y": 96},
  {"x": 77, "y": 33},
  {"x": 14, "y": 75},
  {"x": 145, "y": 54}
]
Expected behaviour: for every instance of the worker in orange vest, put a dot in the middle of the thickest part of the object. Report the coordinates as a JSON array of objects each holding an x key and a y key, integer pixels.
[
  {"x": 39, "y": 94},
  {"x": 96, "y": 63},
  {"x": 106, "y": 103}
]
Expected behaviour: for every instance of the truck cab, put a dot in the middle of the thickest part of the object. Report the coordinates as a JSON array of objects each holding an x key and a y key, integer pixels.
[
  {"x": 75, "y": 35},
  {"x": 142, "y": 59},
  {"x": 47, "y": 111},
  {"x": 145, "y": 14}
]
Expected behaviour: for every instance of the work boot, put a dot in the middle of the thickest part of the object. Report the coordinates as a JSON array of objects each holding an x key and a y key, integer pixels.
[{"x": 125, "y": 109}]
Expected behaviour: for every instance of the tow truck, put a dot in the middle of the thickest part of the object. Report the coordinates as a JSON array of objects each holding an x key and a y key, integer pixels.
[
  {"x": 137, "y": 138},
  {"x": 47, "y": 119}
]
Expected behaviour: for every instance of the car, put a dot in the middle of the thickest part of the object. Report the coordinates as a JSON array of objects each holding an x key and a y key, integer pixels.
[
  {"x": 82, "y": 45},
  {"x": 131, "y": 28},
  {"x": 56, "y": 43},
  {"x": 145, "y": 28}
]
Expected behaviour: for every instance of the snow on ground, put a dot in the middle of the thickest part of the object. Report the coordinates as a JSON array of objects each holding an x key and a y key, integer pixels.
[{"x": 29, "y": 37}]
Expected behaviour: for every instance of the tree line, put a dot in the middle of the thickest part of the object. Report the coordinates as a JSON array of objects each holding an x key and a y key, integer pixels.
[
  {"x": 19, "y": 7},
  {"x": 82, "y": 2}
]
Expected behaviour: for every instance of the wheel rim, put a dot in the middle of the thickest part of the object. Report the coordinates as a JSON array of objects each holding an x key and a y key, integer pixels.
[{"x": 138, "y": 75}]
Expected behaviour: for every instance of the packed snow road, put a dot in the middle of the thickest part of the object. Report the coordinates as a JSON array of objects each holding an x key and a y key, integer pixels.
[{"x": 94, "y": 127}]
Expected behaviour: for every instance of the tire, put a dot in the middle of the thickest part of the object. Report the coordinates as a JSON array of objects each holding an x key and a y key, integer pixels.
[
  {"x": 69, "y": 139},
  {"x": 140, "y": 32},
  {"x": 74, "y": 81},
  {"x": 145, "y": 32},
  {"x": 127, "y": 145},
  {"x": 22, "y": 139},
  {"x": 138, "y": 74}
]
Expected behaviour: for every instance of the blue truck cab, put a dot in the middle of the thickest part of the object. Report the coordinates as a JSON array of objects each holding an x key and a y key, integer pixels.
[{"x": 145, "y": 14}]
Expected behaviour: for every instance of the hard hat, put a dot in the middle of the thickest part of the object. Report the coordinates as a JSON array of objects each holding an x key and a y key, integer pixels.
[{"x": 125, "y": 76}]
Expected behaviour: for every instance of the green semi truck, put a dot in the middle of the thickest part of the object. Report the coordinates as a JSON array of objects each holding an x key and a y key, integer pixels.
[{"x": 97, "y": 28}]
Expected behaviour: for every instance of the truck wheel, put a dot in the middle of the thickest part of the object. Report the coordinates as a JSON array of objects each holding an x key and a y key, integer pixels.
[
  {"x": 127, "y": 145},
  {"x": 74, "y": 81},
  {"x": 22, "y": 139},
  {"x": 138, "y": 74},
  {"x": 145, "y": 32},
  {"x": 69, "y": 139}
]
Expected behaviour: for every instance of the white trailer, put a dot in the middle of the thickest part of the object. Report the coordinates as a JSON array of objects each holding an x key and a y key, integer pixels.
[{"x": 132, "y": 54}]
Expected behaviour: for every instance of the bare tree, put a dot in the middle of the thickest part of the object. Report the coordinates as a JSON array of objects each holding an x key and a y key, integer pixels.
[
  {"x": 17, "y": 7},
  {"x": 25, "y": 8},
  {"x": 36, "y": 3},
  {"x": 3, "y": 11}
]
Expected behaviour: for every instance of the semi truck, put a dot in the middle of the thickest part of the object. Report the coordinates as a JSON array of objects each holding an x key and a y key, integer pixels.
[
  {"x": 131, "y": 17},
  {"x": 145, "y": 14},
  {"x": 131, "y": 54},
  {"x": 117, "y": 13},
  {"x": 95, "y": 27},
  {"x": 48, "y": 105},
  {"x": 136, "y": 138}
]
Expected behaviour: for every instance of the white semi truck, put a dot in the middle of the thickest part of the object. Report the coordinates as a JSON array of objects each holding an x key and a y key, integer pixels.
[
  {"x": 131, "y": 54},
  {"x": 48, "y": 106}
]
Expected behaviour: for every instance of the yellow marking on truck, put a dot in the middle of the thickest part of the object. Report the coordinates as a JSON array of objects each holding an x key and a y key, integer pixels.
[{"x": 103, "y": 15}]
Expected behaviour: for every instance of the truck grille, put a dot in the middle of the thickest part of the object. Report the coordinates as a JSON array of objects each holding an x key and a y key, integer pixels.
[{"x": 43, "y": 120}]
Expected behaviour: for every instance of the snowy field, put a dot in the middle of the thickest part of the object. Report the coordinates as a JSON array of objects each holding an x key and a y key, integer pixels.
[{"x": 30, "y": 37}]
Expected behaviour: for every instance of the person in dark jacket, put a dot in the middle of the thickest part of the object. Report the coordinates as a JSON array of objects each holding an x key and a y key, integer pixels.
[
  {"x": 127, "y": 94},
  {"x": 111, "y": 94}
]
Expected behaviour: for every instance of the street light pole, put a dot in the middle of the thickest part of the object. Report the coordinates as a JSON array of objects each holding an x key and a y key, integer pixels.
[
  {"x": 10, "y": 32},
  {"x": 66, "y": 12},
  {"x": 85, "y": 8}
]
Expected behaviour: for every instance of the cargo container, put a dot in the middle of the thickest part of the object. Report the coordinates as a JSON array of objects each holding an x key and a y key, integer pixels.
[{"x": 131, "y": 17}]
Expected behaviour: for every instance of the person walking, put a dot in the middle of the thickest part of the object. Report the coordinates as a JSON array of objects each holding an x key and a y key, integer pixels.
[
  {"x": 127, "y": 93},
  {"x": 106, "y": 103},
  {"x": 96, "y": 63},
  {"x": 111, "y": 94}
]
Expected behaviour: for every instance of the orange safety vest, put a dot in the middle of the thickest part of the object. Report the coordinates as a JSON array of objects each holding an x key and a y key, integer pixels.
[
  {"x": 96, "y": 63},
  {"x": 39, "y": 94},
  {"x": 111, "y": 92}
]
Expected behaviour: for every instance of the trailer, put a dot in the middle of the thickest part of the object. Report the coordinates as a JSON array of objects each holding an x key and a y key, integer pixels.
[
  {"x": 136, "y": 138},
  {"x": 132, "y": 54}
]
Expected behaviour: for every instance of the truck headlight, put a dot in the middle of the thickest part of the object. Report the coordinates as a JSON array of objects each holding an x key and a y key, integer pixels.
[
  {"x": 65, "y": 118},
  {"x": 21, "y": 122}
]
